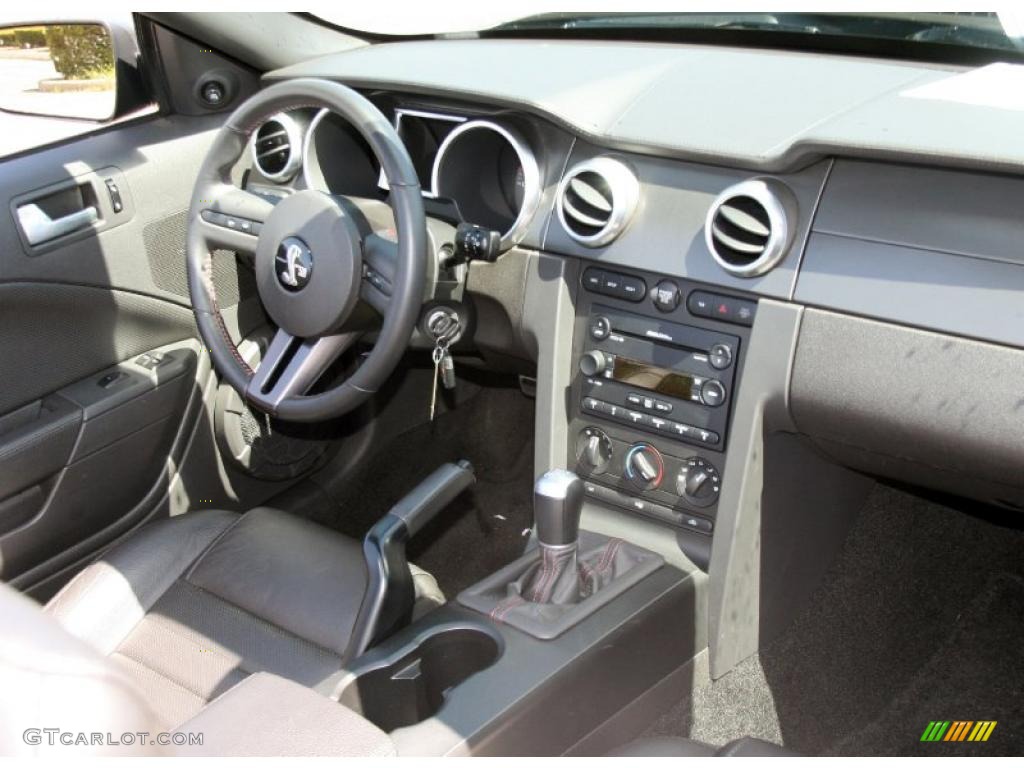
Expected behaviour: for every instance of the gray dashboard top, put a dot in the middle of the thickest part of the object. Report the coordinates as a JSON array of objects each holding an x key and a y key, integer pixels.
[{"x": 765, "y": 110}]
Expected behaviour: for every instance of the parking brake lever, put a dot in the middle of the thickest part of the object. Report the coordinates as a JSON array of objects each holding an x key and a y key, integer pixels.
[{"x": 390, "y": 593}]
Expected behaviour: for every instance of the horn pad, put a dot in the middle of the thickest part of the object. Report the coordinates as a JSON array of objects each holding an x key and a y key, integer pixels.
[{"x": 309, "y": 264}]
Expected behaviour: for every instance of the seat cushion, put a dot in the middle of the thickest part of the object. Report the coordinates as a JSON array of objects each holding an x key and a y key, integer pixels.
[
  {"x": 190, "y": 606},
  {"x": 268, "y": 716},
  {"x": 50, "y": 679}
]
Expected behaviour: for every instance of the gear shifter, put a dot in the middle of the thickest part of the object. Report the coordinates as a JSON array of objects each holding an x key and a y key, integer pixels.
[
  {"x": 557, "y": 504},
  {"x": 568, "y": 576}
]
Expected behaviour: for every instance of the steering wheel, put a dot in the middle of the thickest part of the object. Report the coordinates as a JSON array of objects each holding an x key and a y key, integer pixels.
[{"x": 309, "y": 255}]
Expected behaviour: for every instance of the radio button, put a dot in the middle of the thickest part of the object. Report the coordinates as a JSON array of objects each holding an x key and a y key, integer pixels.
[
  {"x": 659, "y": 424},
  {"x": 720, "y": 356},
  {"x": 706, "y": 436},
  {"x": 611, "y": 284},
  {"x": 680, "y": 430},
  {"x": 633, "y": 289},
  {"x": 666, "y": 296},
  {"x": 600, "y": 328},
  {"x": 634, "y": 399},
  {"x": 593, "y": 279},
  {"x": 699, "y": 304},
  {"x": 593, "y": 363},
  {"x": 712, "y": 393},
  {"x": 662, "y": 407},
  {"x": 635, "y": 417}
]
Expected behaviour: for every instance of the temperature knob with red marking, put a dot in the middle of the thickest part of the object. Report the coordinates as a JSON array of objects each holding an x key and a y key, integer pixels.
[{"x": 644, "y": 466}]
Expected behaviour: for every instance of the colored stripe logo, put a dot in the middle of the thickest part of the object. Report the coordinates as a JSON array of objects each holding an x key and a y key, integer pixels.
[{"x": 958, "y": 730}]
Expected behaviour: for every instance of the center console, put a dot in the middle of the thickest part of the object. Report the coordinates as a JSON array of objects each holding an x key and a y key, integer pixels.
[
  {"x": 657, "y": 363},
  {"x": 573, "y": 646},
  {"x": 581, "y": 625}
]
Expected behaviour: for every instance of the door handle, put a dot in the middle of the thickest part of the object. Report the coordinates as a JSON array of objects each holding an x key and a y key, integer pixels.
[{"x": 39, "y": 227}]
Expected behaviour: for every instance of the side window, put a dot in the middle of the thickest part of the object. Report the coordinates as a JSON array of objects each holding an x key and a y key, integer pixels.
[{"x": 56, "y": 81}]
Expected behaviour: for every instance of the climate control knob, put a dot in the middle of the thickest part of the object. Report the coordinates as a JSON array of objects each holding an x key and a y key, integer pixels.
[
  {"x": 698, "y": 482},
  {"x": 593, "y": 450},
  {"x": 644, "y": 466},
  {"x": 594, "y": 363}
]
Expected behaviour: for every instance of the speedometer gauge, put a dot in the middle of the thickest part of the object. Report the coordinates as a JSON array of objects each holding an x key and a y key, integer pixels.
[{"x": 490, "y": 173}]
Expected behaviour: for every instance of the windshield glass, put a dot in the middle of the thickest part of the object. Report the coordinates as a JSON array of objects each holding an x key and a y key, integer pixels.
[{"x": 991, "y": 31}]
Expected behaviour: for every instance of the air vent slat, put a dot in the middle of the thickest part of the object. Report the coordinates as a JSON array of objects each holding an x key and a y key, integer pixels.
[
  {"x": 591, "y": 195},
  {"x": 267, "y": 136},
  {"x": 596, "y": 200},
  {"x": 576, "y": 214},
  {"x": 754, "y": 249},
  {"x": 276, "y": 148},
  {"x": 747, "y": 229},
  {"x": 274, "y": 151},
  {"x": 743, "y": 220}
]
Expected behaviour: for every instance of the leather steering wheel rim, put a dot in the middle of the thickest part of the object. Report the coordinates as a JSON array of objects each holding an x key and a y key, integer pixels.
[{"x": 214, "y": 193}]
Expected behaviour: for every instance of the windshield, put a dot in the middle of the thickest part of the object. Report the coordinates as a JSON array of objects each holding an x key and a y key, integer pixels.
[{"x": 990, "y": 31}]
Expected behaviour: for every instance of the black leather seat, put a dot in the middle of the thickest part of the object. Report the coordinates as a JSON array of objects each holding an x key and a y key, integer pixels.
[
  {"x": 190, "y": 606},
  {"x": 678, "y": 747}
]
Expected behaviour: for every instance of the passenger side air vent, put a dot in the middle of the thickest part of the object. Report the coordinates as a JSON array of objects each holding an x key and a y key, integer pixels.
[
  {"x": 748, "y": 228},
  {"x": 596, "y": 200},
  {"x": 277, "y": 148}
]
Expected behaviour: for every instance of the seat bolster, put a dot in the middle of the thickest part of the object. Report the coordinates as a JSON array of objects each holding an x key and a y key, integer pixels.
[
  {"x": 105, "y": 601},
  {"x": 268, "y": 716}
]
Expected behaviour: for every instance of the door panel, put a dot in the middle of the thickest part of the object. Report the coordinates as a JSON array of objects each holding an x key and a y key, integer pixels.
[{"x": 93, "y": 438}]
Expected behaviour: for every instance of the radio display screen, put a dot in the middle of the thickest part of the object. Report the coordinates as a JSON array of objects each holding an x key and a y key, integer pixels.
[{"x": 647, "y": 376}]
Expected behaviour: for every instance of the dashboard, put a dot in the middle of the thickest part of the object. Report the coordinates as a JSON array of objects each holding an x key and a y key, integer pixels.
[
  {"x": 682, "y": 203},
  {"x": 473, "y": 166}
]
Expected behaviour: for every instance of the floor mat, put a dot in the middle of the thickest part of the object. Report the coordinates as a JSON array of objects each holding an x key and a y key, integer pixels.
[
  {"x": 977, "y": 675},
  {"x": 483, "y": 529},
  {"x": 917, "y": 588}
]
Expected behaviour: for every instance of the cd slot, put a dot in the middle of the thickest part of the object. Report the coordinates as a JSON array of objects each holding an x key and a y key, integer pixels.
[{"x": 684, "y": 337}]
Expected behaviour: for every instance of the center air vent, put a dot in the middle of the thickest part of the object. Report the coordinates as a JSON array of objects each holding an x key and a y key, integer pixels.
[
  {"x": 596, "y": 200},
  {"x": 747, "y": 229},
  {"x": 277, "y": 148}
]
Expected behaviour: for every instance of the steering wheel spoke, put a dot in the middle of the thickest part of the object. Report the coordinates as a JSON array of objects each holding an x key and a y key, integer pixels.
[
  {"x": 230, "y": 217},
  {"x": 380, "y": 256},
  {"x": 292, "y": 365}
]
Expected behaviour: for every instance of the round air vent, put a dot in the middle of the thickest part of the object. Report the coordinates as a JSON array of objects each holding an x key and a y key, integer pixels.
[
  {"x": 748, "y": 227},
  {"x": 277, "y": 148},
  {"x": 596, "y": 200}
]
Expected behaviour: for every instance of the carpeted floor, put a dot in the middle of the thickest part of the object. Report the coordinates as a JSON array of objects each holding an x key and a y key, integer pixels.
[
  {"x": 920, "y": 619},
  {"x": 483, "y": 529}
]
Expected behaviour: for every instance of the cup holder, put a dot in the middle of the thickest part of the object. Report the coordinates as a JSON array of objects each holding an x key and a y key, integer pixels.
[{"x": 413, "y": 687}]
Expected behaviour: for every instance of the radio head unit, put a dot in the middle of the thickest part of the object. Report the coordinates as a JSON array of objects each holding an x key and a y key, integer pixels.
[{"x": 658, "y": 376}]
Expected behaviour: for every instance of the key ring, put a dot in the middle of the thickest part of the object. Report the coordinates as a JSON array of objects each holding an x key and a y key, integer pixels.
[{"x": 439, "y": 350}]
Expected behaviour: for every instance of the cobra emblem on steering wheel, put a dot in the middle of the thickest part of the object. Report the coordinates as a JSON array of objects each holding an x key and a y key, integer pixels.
[{"x": 294, "y": 264}]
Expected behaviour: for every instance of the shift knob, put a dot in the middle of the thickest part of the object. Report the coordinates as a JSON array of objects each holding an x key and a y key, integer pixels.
[{"x": 557, "y": 504}]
